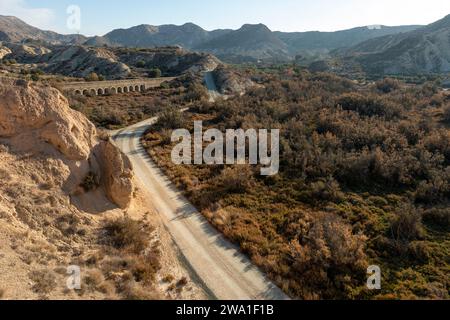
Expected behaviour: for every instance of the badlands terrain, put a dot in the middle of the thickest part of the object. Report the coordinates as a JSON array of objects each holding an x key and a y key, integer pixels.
[{"x": 68, "y": 197}]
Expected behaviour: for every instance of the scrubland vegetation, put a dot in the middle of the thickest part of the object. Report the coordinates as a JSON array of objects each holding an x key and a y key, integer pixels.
[
  {"x": 113, "y": 111},
  {"x": 364, "y": 180}
]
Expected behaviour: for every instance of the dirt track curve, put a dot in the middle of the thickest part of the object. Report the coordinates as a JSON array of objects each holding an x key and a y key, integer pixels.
[{"x": 216, "y": 264}]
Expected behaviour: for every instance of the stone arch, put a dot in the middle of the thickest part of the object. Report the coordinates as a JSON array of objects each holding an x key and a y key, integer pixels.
[
  {"x": 119, "y": 90},
  {"x": 107, "y": 91},
  {"x": 113, "y": 90},
  {"x": 77, "y": 92},
  {"x": 143, "y": 88},
  {"x": 131, "y": 89},
  {"x": 85, "y": 92},
  {"x": 100, "y": 91},
  {"x": 136, "y": 88},
  {"x": 125, "y": 89},
  {"x": 93, "y": 92}
]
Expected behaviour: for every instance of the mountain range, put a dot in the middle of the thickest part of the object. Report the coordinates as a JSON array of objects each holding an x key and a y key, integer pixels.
[
  {"x": 374, "y": 49},
  {"x": 249, "y": 43}
]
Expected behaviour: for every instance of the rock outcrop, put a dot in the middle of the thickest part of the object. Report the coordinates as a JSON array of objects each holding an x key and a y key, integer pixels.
[
  {"x": 37, "y": 120},
  {"x": 117, "y": 174},
  {"x": 231, "y": 82}
]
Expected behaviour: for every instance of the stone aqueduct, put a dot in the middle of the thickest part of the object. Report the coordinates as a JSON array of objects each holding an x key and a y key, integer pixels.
[{"x": 114, "y": 86}]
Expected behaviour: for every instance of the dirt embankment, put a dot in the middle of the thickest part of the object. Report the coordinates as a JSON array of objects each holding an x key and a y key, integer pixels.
[{"x": 61, "y": 183}]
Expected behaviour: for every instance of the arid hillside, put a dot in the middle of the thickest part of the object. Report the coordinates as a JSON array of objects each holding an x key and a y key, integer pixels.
[{"x": 68, "y": 197}]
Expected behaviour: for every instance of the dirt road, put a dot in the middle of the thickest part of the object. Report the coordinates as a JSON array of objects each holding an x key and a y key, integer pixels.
[{"x": 214, "y": 262}]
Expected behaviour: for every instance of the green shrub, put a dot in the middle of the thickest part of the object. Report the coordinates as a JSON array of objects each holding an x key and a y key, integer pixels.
[
  {"x": 92, "y": 77},
  {"x": 155, "y": 73}
]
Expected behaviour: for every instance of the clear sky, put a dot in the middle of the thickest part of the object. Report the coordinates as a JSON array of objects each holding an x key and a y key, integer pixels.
[{"x": 101, "y": 16}]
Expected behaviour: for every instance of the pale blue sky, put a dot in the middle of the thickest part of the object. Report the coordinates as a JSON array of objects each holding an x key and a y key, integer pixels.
[{"x": 101, "y": 16}]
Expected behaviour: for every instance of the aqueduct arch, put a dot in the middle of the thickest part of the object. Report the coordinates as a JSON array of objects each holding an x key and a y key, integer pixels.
[{"x": 114, "y": 86}]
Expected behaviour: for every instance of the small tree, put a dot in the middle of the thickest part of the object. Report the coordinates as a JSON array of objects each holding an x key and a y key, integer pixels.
[
  {"x": 92, "y": 77},
  {"x": 155, "y": 73}
]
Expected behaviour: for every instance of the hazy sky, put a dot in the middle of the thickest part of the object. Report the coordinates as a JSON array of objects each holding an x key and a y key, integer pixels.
[{"x": 101, "y": 16}]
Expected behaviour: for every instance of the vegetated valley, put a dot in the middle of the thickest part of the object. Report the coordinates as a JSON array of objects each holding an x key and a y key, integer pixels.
[{"x": 364, "y": 180}]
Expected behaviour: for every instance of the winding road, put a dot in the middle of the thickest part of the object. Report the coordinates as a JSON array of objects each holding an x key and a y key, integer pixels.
[{"x": 215, "y": 263}]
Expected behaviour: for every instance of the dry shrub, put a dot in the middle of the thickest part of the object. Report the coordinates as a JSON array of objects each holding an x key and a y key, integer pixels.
[
  {"x": 407, "y": 225},
  {"x": 171, "y": 119},
  {"x": 369, "y": 105},
  {"x": 236, "y": 180},
  {"x": 327, "y": 190},
  {"x": 447, "y": 114},
  {"x": 132, "y": 266},
  {"x": 165, "y": 137},
  {"x": 90, "y": 182},
  {"x": 135, "y": 292},
  {"x": 93, "y": 280},
  {"x": 44, "y": 281},
  {"x": 388, "y": 85},
  {"x": 328, "y": 258},
  {"x": 182, "y": 282},
  {"x": 2, "y": 293},
  {"x": 168, "y": 279},
  {"x": 145, "y": 267},
  {"x": 439, "y": 217}
]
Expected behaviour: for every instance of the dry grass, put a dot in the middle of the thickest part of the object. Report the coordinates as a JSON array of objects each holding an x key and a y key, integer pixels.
[{"x": 44, "y": 281}]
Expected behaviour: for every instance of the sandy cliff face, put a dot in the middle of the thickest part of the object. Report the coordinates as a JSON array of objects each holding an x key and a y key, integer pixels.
[
  {"x": 38, "y": 120},
  {"x": 47, "y": 220}
]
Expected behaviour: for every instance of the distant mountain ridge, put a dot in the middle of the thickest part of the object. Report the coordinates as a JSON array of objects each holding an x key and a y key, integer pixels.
[
  {"x": 250, "y": 41},
  {"x": 422, "y": 51},
  {"x": 333, "y": 40},
  {"x": 13, "y": 29}
]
